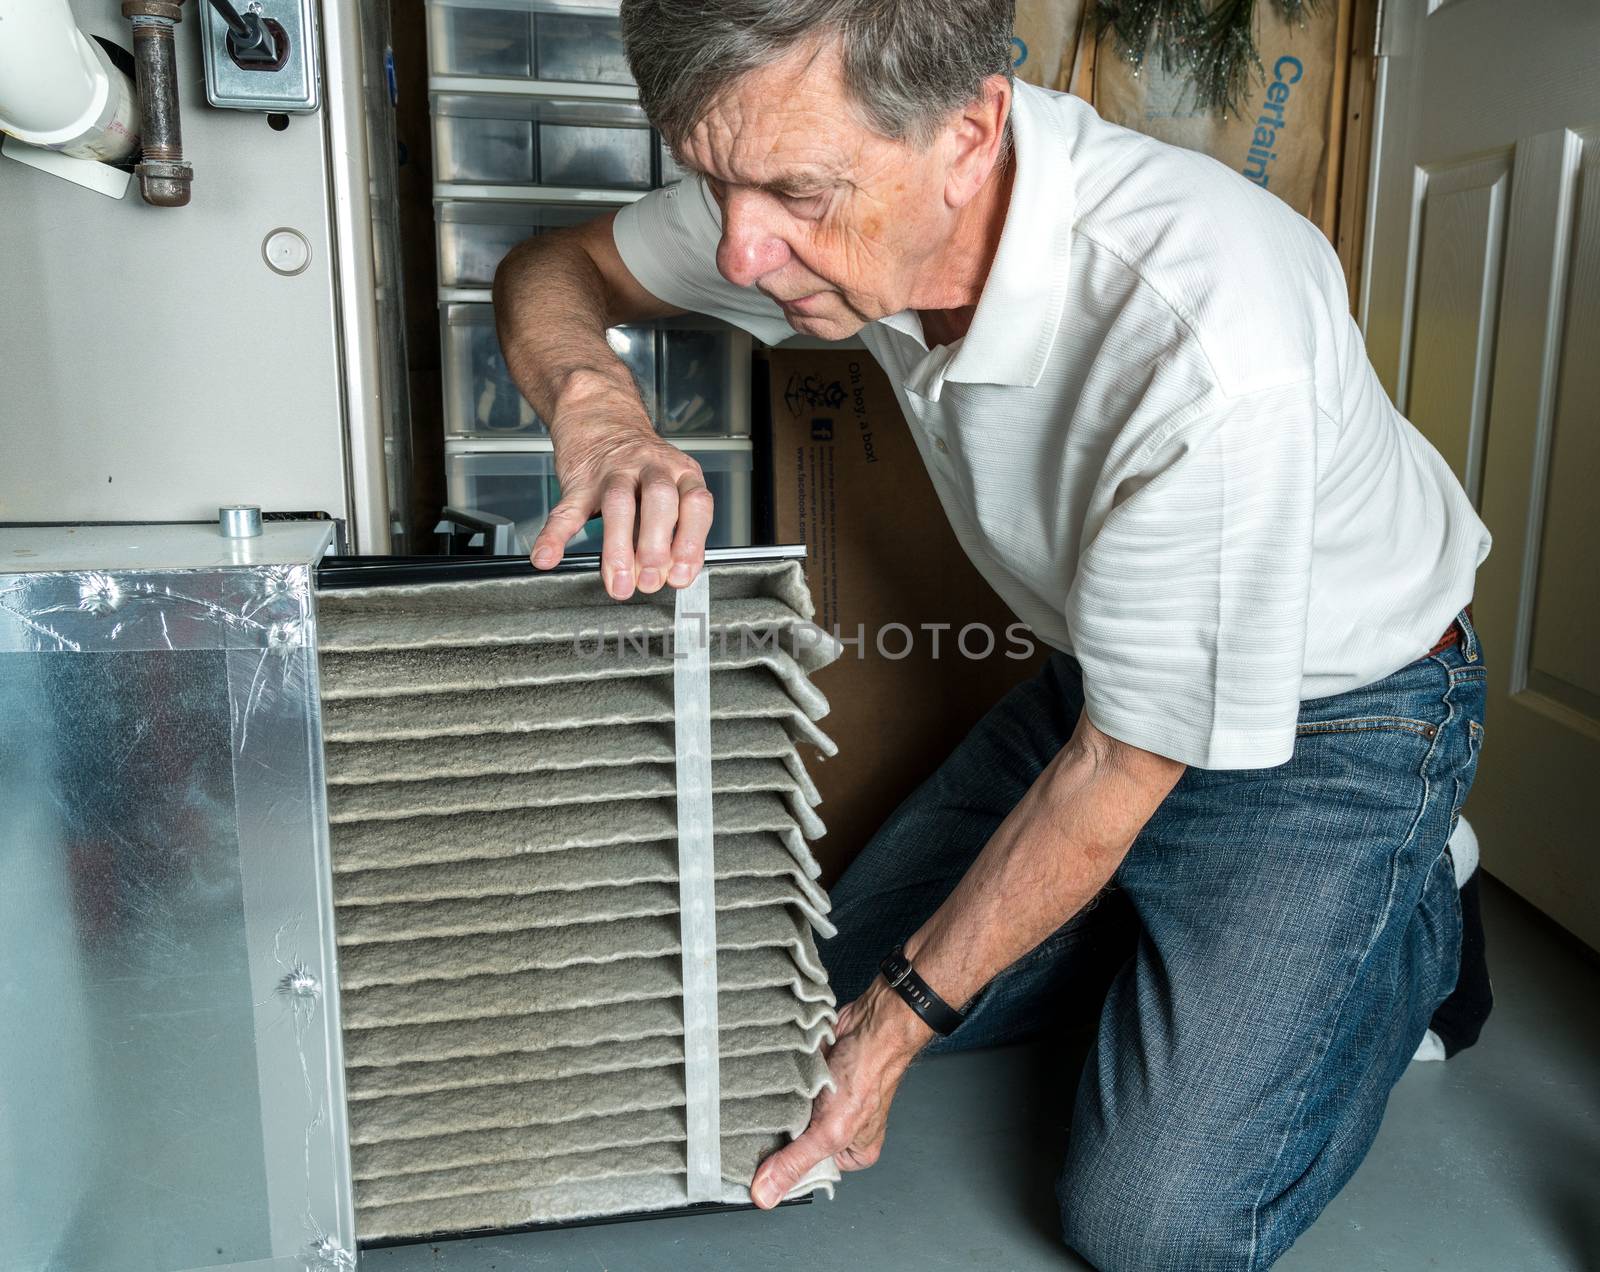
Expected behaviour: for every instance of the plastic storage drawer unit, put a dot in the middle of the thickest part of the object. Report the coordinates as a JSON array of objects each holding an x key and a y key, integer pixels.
[
  {"x": 521, "y": 485},
  {"x": 500, "y": 139},
  {"x": 729, "y": 466},
  {"x": 521, "y": 39},
  {"x": 704, "y": 387},
  {"x": 517, "y": 484},
  {"x": 475, "y": 236},
  {"x": 693, "y": 375},
  {"x": 480, "y": 397}
]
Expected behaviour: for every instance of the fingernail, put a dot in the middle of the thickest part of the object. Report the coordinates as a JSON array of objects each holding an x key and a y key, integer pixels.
[
  {"x": 680, "y": 575},
  {"x": 650, "y": 580},
  {"x": 764, "y": 1194},
  {"x": 544, "y": 558},
  {"x": 622, "y": 584}
]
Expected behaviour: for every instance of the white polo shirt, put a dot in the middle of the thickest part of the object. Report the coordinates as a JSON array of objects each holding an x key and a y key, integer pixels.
[{"x": 1161, "y": 441}]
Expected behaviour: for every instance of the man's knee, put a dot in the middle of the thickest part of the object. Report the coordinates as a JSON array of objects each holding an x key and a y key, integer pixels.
[{"x": 1147, "y": 1208}]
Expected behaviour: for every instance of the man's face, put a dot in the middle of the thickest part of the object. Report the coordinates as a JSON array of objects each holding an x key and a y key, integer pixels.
[{"x": 824, "y": 215}]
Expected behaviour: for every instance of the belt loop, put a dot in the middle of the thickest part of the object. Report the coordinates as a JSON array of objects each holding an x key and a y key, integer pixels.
[{"x": 1469, "y": 637}]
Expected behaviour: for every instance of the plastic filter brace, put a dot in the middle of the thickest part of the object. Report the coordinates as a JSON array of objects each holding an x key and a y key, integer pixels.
[{"x": 691, "y": 685}]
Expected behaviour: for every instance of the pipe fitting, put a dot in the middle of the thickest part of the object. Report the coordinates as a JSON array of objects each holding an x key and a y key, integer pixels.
[
  {"x": 58, "y": 89},
  {"x": 170, "y": 10},
  {"x": 164, "y": 177}
]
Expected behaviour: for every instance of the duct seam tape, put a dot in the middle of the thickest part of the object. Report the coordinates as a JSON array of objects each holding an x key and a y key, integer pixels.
[{"x": 691, "y": 688}]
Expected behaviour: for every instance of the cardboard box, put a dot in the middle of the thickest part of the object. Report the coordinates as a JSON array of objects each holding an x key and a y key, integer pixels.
[
  {"x": 1044, "y": 39},
  {"x": 888, "y": 577},
  {"x": 1281, "y": 135}
]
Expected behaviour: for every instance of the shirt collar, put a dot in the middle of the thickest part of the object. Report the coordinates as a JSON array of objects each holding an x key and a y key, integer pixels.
[{"x": 1019, "y": 310}]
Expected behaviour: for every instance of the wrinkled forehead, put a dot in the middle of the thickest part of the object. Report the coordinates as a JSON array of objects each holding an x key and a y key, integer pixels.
[{"x": 790, "y": 124}]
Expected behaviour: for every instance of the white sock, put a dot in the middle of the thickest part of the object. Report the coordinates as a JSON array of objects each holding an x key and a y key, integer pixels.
[{"x": 1464, "y": 851}]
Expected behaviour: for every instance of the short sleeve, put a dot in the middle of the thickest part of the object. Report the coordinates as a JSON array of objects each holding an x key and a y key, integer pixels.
[
  {"x": 668, "y": 240},
  {"x": 1188, "y": 608}
]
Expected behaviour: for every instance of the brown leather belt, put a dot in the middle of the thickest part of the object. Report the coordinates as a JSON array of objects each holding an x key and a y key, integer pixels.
[{"x": 1452, "y": 634}]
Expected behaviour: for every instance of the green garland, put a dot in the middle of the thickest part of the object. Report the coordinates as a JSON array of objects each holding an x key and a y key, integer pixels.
[{"x": 1213, "y": 44}]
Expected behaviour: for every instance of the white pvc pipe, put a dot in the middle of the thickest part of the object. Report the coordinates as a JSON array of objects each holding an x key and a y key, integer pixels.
[{"x": 57, "y": 87}]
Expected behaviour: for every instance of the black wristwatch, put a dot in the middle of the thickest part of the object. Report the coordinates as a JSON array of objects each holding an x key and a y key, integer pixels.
[{"x": 937, "y": 1014}]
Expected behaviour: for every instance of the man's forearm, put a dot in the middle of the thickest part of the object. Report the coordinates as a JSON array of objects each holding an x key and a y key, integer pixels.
[
  {"x": 554, "y": 297},
  {"x": 1055, "y": 851},
  {"x": 552, "y": 308},
  {"x": 1050, "y": 858}
]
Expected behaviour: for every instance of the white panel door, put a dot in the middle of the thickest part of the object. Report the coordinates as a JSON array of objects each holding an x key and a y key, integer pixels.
[{"x": 1481, "y": 307}]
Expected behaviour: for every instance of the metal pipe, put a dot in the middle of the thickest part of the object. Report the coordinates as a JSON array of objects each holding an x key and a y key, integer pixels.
[{"x": 164, "y": 178}]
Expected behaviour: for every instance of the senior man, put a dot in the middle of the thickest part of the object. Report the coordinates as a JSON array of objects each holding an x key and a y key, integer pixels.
[{"x": 1134, "y": 381}]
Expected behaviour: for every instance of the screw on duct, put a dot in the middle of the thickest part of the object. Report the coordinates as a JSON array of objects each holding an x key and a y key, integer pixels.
[
  {"x": 164, "y": 178},
  {"x": 239, "y": 521}
]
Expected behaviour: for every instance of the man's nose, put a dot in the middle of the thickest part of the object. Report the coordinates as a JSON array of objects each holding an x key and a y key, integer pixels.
[{"x": 750, "y": 248}]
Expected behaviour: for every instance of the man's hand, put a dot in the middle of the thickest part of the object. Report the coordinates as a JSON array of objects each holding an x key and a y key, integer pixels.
[
  {"x": 611, "y": 461},
  {"x": 554, "y": 297},
  {"x": 1051, "y": 855},
  {"x": 877, "y": 1037}
]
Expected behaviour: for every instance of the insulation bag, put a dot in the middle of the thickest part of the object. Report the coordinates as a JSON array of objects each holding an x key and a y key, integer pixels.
[{"x": 576, "y": 910}]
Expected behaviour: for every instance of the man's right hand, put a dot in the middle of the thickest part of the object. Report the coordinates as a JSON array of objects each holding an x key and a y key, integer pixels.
[
  {"x": 554, "y": 297},
  {"x": 653, "y": 497}
]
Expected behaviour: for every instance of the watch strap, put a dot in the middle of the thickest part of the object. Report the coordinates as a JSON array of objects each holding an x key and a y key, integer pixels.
[{"x": 937, "y": 1014}]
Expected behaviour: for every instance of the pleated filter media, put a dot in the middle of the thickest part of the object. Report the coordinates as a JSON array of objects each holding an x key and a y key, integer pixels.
[{"x": 568, "y": 991}]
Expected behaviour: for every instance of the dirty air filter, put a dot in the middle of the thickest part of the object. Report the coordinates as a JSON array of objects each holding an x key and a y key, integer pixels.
[{"x": 575, "y": 906}]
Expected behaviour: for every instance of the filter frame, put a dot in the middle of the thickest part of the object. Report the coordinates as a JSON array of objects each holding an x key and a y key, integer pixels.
[{"x": 338, "y": 572}]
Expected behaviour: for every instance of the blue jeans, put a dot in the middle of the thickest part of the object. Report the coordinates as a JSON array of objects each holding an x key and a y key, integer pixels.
[{"x": 1263, "y": 964}]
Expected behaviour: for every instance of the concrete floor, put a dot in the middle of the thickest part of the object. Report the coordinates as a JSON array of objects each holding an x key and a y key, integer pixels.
[{"x": 1490, "y": 1161}]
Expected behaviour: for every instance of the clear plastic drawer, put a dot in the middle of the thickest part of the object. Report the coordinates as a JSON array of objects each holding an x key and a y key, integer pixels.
[
  {"x": 480, "y": 39},
  {"x": 479, "y": 396},
  {"x": 693, "y": 375},
  {"x": 528, "y": 39},
  {"x": 475, "y": 237},
  {"x": 729, "y": 471},
  {"x": 480, "y": 399},
  {"x": 704, "y": 389},
  {"x": 585, "y": 48},
  {"x": 606, "y": 145},
  {"x": 497, "y": 139},
  {"x": 522, "y": 486}
]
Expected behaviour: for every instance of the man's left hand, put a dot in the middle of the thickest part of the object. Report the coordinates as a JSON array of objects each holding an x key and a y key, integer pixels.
[{"x": 877, "y": 1037}]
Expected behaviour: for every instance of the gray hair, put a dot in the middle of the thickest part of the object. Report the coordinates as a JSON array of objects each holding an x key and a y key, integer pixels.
[{"x": 906, "y": 63}]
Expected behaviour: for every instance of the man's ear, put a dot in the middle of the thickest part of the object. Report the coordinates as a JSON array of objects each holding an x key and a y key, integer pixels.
[{"x": 976, "y": 137}]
